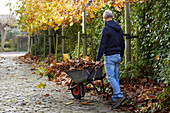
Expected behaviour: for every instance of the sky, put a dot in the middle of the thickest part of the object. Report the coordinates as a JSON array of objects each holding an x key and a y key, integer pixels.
[{"x": 6, "y": 9}]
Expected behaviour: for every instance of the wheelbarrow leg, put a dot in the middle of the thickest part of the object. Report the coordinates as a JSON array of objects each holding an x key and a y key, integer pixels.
[{"x": 103, "y": 89}]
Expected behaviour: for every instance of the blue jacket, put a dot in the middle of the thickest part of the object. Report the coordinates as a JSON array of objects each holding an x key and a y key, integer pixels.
[{"x": 112, "y": 41}]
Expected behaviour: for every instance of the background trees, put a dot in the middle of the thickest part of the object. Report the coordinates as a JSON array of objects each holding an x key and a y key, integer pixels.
[{"x": 5, "y": 22}]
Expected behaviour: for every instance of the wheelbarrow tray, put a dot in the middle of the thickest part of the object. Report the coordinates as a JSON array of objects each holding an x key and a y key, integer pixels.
[{"x": 87, "y": 74}]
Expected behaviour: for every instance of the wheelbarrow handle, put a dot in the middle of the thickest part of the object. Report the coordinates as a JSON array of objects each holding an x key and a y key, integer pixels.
[{"x": 93, "y": 68}]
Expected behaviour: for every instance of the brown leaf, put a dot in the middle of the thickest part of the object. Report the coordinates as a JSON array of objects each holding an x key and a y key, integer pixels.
[
  {"x": 33, "y": 72},
  {"x": 33, "y": 69},
  {"x": 46, "y": 95},
  {"x": 158, "y": 88},
  {"x": 152, "y": 96},
  {"x": 144, "y": 80},
  {"x": 23, "y": 104},
  {"x": 38, "y": 102}
]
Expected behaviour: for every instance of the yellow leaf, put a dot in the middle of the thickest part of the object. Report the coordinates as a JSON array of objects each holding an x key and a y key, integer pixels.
[
  {"x": 66, "y": 57},
  {"x": 71, "y": 24},
  {"x": 12, "y": 76},
  {"x": 41, "y": 85},
  {"x": 91, "y": 15},
  {"x": 110, "y": 3},
  {"x": 85, "y": 103},
  {"x": 56, "y": 28}
]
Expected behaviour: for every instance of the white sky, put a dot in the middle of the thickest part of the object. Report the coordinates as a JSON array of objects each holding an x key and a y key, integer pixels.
[{"x": 6, "y": 9}]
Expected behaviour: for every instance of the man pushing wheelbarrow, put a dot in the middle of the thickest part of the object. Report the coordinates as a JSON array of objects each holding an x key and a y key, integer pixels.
[{"x": 112, "y": 46}]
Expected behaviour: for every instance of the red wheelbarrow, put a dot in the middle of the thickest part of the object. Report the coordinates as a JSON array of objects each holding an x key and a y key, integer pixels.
[{"x": 81, "y": 78}]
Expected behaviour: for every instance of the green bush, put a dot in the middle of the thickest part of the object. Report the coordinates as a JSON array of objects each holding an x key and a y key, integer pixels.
[{"x": 7, "y": 45}]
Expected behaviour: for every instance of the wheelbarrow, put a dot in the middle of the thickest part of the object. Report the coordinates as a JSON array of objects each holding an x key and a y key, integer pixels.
[{"x": 81, "y": 79}]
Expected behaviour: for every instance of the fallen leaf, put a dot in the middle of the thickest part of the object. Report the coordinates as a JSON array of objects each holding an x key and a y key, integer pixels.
[
  {"x": 32, "y": 69},
  {"x": 41, "y": 85},
  {"x": 46, "y": 95},
  {"x": 38, "y": 102},
  {"x": 33, "y": 72},
  {"x": 23, "y": 104},
  {"x": 152, "y": 96},
  {"x": 68, "y": 103},
  {"x": 12, "y": 76},
  {"x": 21, "y": 78},
  {"x": 85, "y": 103}
]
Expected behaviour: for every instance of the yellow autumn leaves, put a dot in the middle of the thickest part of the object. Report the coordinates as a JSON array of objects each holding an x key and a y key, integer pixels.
[{"x": 38, "y": 13}]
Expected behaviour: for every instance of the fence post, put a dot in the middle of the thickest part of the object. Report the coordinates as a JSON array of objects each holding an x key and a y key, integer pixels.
[
  {"x": 44, "y": 45},
  {"x": 49, "y": 36}
]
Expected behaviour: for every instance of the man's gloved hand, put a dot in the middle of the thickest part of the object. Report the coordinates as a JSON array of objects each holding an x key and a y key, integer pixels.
[{"x": 97, "y": 62}]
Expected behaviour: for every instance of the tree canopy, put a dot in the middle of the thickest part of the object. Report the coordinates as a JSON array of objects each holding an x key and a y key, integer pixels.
[{"x": 37, "y": 14}]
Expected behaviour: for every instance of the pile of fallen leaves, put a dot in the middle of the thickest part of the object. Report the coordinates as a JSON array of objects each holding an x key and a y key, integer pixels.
[
  {"x": 143, "y": 96},
  {"x": 146, "y": 96},
  {"x": 56, "y": 71},
  {"x": 28, "y": 58}
]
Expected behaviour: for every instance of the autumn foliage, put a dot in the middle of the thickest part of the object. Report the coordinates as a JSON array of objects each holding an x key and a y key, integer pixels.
[{"x": 39, "y": 14}]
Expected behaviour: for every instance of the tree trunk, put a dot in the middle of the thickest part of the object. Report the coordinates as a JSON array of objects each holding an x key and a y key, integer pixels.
[
  {"x": 44, "y": 45},
  {"x": 3, "y": 37},
  {"x": 56, "y": 50},
  {"x": 69, "y": 44},
  {"x": 63, "y": 41},
  {"x": 29, "y": 47},
  {"x": 49, "y": 36},
  {"x": 35, "y": 41},
  {"x": 127, "y": 41},
  {"x": 53, "y": 40},
  {"x": 137, "y": 48},
  {"x": 84, "y": 32},
  {"x": 78, "y": 51},
  {"x": 127, "y": 31},
  {"x": 2, "y": 34},
  {"x": 91, "y": 39}
]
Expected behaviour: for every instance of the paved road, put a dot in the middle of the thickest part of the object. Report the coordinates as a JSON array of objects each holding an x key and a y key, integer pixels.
[
  {"x": 12, "y": 54},
  {"x": 19, "y": 94}
]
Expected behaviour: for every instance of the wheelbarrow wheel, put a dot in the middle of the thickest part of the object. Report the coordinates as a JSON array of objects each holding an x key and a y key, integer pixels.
[{"x": 78, "y": 91}]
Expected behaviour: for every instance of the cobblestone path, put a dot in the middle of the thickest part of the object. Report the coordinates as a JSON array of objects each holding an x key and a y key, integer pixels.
[{"x": 19, "y": 94}]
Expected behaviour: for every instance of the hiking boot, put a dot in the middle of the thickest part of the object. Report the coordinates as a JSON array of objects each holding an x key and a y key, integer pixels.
[
  {"x": 119, "y": 102},
  {"x": 110, "y": 102}
]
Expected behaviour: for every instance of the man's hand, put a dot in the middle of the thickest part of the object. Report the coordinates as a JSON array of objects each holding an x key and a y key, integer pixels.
[{"x": 97, "y": 62}]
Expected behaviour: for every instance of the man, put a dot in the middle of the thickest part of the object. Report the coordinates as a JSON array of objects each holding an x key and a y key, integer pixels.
[{"x": 112, "y": 46}]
